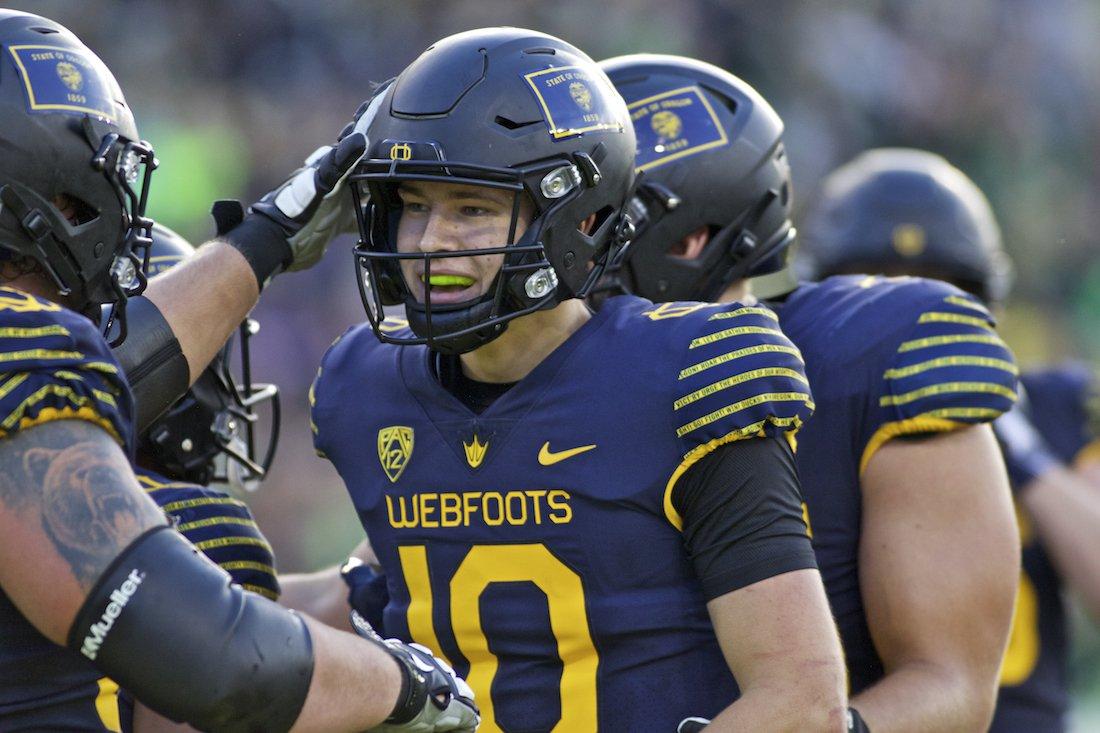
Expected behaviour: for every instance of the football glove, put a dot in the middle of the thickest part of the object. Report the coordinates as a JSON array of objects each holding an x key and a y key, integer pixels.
[{"x": 433, "y": 698}]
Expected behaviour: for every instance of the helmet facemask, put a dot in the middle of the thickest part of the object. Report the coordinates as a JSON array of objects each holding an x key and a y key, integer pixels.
[{"x": 527, "y": 280}]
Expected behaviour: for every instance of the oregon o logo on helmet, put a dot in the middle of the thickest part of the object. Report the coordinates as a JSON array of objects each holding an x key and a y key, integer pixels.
[{"x": 400, "y": 151}]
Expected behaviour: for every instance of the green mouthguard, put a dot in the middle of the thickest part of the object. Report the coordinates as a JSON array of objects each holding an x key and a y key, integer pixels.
[{"x": 448, "y": 280}]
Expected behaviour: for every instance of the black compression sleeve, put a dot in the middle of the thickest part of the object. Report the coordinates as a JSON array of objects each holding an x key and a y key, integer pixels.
[
  {"x": 153, "y": 362},
  {"x": 742, "y": 515},
  {"x": 167, "y": 625}
]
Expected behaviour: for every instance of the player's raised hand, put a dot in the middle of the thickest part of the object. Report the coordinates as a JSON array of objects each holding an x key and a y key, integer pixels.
[{"x": 434, "y": 698}]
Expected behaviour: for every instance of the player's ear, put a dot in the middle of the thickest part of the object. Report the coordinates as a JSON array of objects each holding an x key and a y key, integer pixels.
[{"x": 692, "y": 244}]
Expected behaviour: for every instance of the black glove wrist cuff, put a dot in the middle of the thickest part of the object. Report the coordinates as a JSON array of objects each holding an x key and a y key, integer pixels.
[
  {"x": 413, "y": 695},
  {"x": 263, "y": 244}
]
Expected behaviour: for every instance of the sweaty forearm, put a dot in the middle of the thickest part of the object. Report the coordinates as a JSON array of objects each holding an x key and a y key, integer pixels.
[
  {"x": 919, "y": 697},
  {"x": 204, "y": 300},
  {"x": 1065, "y": 512}
]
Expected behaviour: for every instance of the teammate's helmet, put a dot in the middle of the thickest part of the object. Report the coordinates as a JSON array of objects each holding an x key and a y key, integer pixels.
[
  {"x": 710, "y": 153},
  {"x": 68, "y": 141},
  {"x": 904, "y": 210},
  {"x": 210, "y": 434},
  {"x": 510, "y": 109}
]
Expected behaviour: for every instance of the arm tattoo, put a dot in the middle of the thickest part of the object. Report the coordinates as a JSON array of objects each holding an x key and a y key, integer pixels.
[{"x": 79, "y": 483}]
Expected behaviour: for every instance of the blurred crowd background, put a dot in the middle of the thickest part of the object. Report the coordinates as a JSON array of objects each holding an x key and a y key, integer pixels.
[{"x": 233, "y": 94}]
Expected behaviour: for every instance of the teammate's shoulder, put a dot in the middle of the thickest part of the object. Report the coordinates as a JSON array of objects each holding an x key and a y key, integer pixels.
[
  {"x": 359, "y": 340},
  {"x": 889, "y": 301},
  {"x": 732, "y": 372},
  {"x": 28, "y": 322}
]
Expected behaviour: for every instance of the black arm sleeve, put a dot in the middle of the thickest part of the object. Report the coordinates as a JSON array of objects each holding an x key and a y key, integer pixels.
[
  {"x": 168, "y": 626},
  {"x": 153, "y": 362},
  {"x": 742, "y": 511}
]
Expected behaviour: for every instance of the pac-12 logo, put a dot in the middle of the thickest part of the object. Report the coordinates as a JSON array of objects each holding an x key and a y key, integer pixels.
[{"x": 395, "y": 447}]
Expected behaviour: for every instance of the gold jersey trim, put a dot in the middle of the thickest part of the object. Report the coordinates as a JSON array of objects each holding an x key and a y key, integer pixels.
[
  {"x": 202, "y": 501},
  {"x": 15, "y": 332},
  {"x": 912, "y": 426},
  {"x": 733, "y": 381},
  {"x": 939, "y": 317},
  {"x": 259, "y": 589},
  {"x": 948, "y": 388},
  {"x": 924, "y": 343},
  {"x": 966, "y": 303},
  {"x": 731, "y": 355},
  {"x": 730, "y": 332},
  {"x": 744, "y": 404},
  {"x": 746, "y": 311},
  {"x": 50, "y": 414},
  {"x": 756, "y": 430},
  {"x": 950, "y": 361},
  {"x": 219, "y": 542},
  {"x": 41, "y": 354},
  {"x": 247, "y": 565},
  {"x": 215, "y": 521}
]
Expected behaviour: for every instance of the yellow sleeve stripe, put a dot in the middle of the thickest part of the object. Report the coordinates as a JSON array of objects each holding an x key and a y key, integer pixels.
[
  {"x": 731, "y": 355},
  {"x": 731, "y": 332},
  {"x": 259, "y": 589},
  {"x": 743, "y": 404},
  {"x": 738, "y": 379},
  {"x": 203, "y": 501},
  {"x": 938, "y": 317},
  {"x": 12, "y": 383},
  {"x": 41, "y": 355},
  {"x": 948, "y": 388},
  {"x": 697, "y": 453},
  {"x": 952, "y": 361},
  {"x": 50, "y": 414},
  {"x": 966, "y": 303},
  {"x": 746, "y": 311},
  {"x": 969, "y": 338},
  {"x": 912, "y": 426},
  {"x": 247, "y": 565},
  {"x": 33, "y": 333},
  {"x": 232, "y": 542},
  {"x": 214, "y": 521},
  {"x": 58, "y": 390},
  {"x": 100, "y": 366},
  {"x": 151, "y": 485}
]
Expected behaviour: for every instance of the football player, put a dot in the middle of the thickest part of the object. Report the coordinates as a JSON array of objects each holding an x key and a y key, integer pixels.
[
  {"x": 92, "y": 583},
  {"x": 906, "y": 496},
  {"x": 595, "y": 516},
  {"x": 902, "y": 211}
]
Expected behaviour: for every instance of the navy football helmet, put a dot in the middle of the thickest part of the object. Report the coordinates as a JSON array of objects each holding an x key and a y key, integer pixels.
[
  {"x": 900, "y": 210},
  {"x": 509, "y": 109},
  {"x": 710, "y": 153},
  {"x": 74, "y": 174},
  {"x": 211, "y": 433}
]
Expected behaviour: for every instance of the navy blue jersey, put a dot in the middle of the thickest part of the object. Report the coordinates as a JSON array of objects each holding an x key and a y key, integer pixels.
[
  {"x": 535, "y": 545},
  {"x": 886, "y": 357},
  {"x": 1034, "y": 694},
  {"x": 54, "y": 365},
  {"x": 220, "y": 526},
  {"x": 1064, "y": 405}
]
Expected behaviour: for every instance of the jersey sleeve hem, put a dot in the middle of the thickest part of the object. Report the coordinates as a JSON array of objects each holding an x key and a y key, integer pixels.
[
  {"x": 743, "y": 577},
  {"x": 86, "y": 413},
  {"x": 791, "y": 425},
  {"x": 920, "y": 425}
]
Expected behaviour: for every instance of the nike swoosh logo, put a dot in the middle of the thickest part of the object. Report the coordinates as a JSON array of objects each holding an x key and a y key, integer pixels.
[{"x": 549, "y": 458}]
